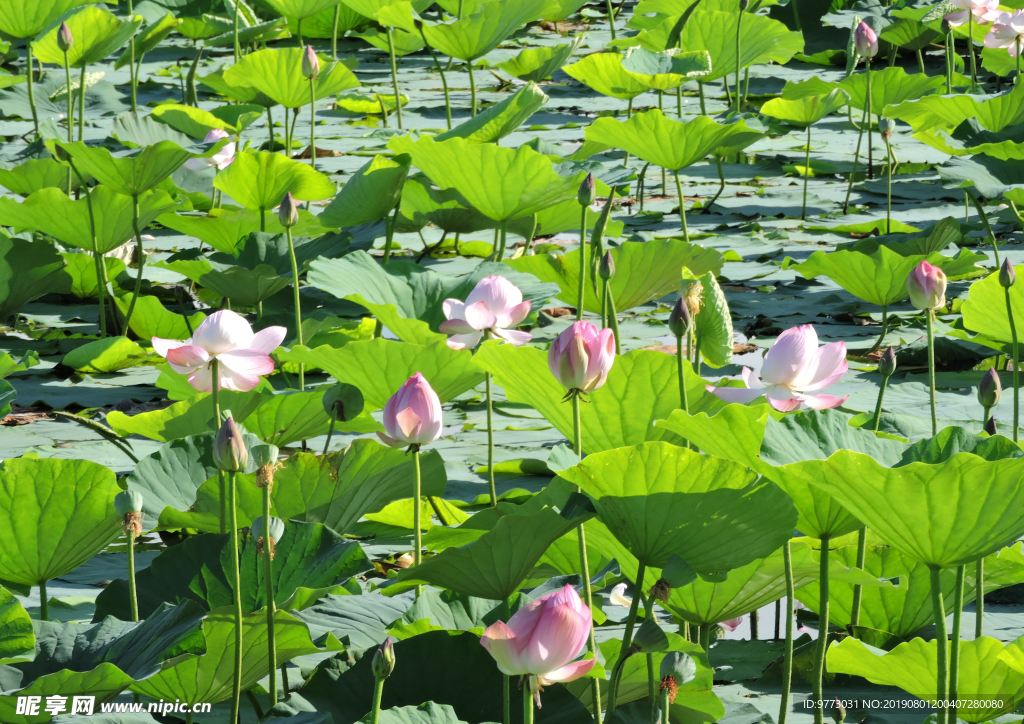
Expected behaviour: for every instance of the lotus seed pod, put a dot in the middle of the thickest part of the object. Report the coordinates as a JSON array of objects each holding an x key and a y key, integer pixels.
[
  {"x": 288, "y": 212},
  {"x": 588, "y": 191},
  {"x": 887, "y": 363},
  {"x": 679, "y": 320},
  {"x": 1007, "y": 274},
  {"x": 886, "y": 126},
  {"x": 383, "y": 662},
  {"x": 64, "y": 38},
  {"x": 343, "y": 402},
  {"x": 276, "y": 532},
  {"x": 678, "y": 667},
  {"x": 128, "y": 504},
  {"x": 265, "y": 454},
  {"x": 229, "y": 451},
  {"x": 990, "y": 390},
  {"x": 606, "y": 269}
]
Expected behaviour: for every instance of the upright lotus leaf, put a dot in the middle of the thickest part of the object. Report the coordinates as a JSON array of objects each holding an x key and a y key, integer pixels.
[
  {"x": 225, "y": 228},
  {"x": 985, "y": 311},
  {"x": 152, "y": 319},
  {"x": 661, "y": 500},
  {"x": 370, "y": 194},
  {"x": 910, "y": 30},
  {"x": 148, "y": 40},
  {"x": 55, "y": 515},
  {"x": 406, "y": 297},
  {"x": 713, "y": 324},
  {"x": 35, "y": 174},
  {"x": 380, "y": 367},
  {"x": 17, "y": 637},
  {"x": 242, "y": 286},
  {"x": 196, "y": 122},
  {"x": 208, "y": 678},
  {"x": 446, "y": 209},
  {"x": 188, "y": 417},
  {"x": 106, "y": 355},
  {"x": 668, "y": 69},
  {"x": 604, "y": 73},
  {"x": 103, "y": 683},
  {"x": 28, "y": 18},
  {"x": 259, "y": 180},
  {"x": 28, "y": 270},
  {"x": 537, "y": 64},
  {"x": 501, "y": 119},
  {"x": 97, "y": 32},
  {"x": 889, "y": 87},
  {"x": 645, "y": 271},
  {"x": 969, "y": 138},
  {"x": 235, "y": 91},
  {"x": 370, "y": 8},
  {"x": 943, "y": 515},
  {"x": 402, "y": 42},
  {"x": 277, "y": 73},
  {"x": 662, "y": 141},
  {"x": 988, "y": 686},
  {"x": 52, "y": 212},
  {"x": 501, "y": 183},
  {"x": 946, "y": 112},
  {"x": 806, "y": 111},
  {"x": 302, "y": 8}
]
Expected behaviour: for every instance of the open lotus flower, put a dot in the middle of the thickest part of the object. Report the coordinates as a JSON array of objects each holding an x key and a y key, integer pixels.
[
  {"x": 581, "y": 356},
  {"x": 224, "y": 336},
  {"x": 495, "y": 305},
  {"x": 1007, "y": 32},
  {"x": 413, "y": 414},
  {"x": 543, "y": 638},
  {"x": 794, "y": 366},
  {"x": 984, "y": 11},
  {"x": 222, "y": 159}
]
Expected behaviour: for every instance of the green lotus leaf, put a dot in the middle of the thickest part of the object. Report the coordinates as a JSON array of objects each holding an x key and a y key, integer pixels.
[
  {"x": 661, "y": 500},
  {"x": 988, "y": 686},
  {"x": 909, "y": 30},
  {"x": 952, "y": 440},
  {"x": 7, "y": 81},
  {"x": 370, "y": 8},
  {"x": 35, "y": 174},
  {"x": 558, "y": 10},
  {"x": 370, "y": 194},
  {"x": 666, "y": 70},
  {"x": 564, "y": 217},
  {"x": 277, "y": 73},
  {"x": 17, "y": 637},
  {"x": 196, "y": 122},
  {"x": 50, "y": 211},
  {"x": 208, "y": 678},
  {"x": 224, "y": 228},
  {"x": 1003, "y": 150},
  {"x": 245, "y": 287},
  {"x": 104, "y": 683},
  {"x": 370, "y": 105},
  {"x": 257, "y": 33},
  {"x": 236, "y": 91},
  {"x": 28, "y": 18},
  {"x": 188, "y": 417},
  {"x": 714, "y": 324},
  {"x": 537, "y": 64},
  {"x": 604, "y": 73},
  {"x": 985, "y": 311},
  {"x": 889, "y": 87},
  {"x": 148, "y": 40},
  {"x": 259, "y": 180},
  {"x": 302, "y": 8},
  {"x": 321, "y": 25},
  {"x": 151, "y": 319},
  {"x": 947, "y": 112},
  {"x": 97, "y": 32},
  {"x": 644, "y": 271},
  {"x": 501, "y": 183},
  {"x": 28, "y": 270},
  {"x": 105, "y": 355},
  {"x": 288, "y": 418},
  {"x": 56, "y": 514},
  {"x": 446, "y": 209},
  {"x": 805, "y": 111},
  {"x": 402, "y": 42},
  {"x": 501, "y": 119}
]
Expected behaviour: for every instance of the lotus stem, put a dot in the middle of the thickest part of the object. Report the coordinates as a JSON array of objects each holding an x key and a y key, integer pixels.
[
  {"x": 394, "y": 74},
  {"x": 721, "y": 184},
  {"x": 334, "y": 32},
  {"x": 856, "y": 157},
  {"x": 942, "y": 661},
  {"x": 822, "y": 643},
  {"x": 682, "y": 207},
  {"x": 807, "y": 172},
  {"x": 71, "y": 109},
  {"x": 787, "y": 656},
  {"x": 270, "y": 127},
  {"x": 754, "y": 636},
  {"x": 378, "y": 692},
  {"x": 81, "y": 105},
  {"x": 920, "y": 61},
  {"x": 778, "y": 618},
  {"x": 885, "y": 329},
  {"x": 627, "y": 638},
  {"x": 291, "y": 131},
  {"x": 979, "y": 598},
  {"x": 700, "y": 95},
  {"x": 796, "y": 23},
  {"x": 472, "y": 88},
  {"x": 950, "y": 64},
  {"x": 101, "y": 267},
  {"x": 664, "y": 706},
  {"x": 31, "y": 88},
  {"x": 867, "y": 112},
  {"x": 583, "y": 262},
  {"x": 640, "y": 185},
  {"x": 581, "y": 539},
  {"x": 298, "y": 32},
  {"x": 502, "y": 239},
  {"x": 297, "y": 302},
  {"x": 968, "y": 196},
  {"x": 312, "y": 123},
  {"x": 893, "y": 162},
  {"x": 44, "y": 603},
  {"x": 858, "y": 590},
  {"x": 1016, "y": 364},
  {"x": 237, "y": 46},
  {"x": 215, "y": 397},
  {"x": 132, "y": 70},
  {"x": 974, "y": 71},
  {"x": 739, "y": 61},
  {"x": 192, "y": 98},
  {"x": 705, "y": 639},
  {"x": 652, "y": 681},
  {"x": 444, "y": 81},
  {"x": 528, "y": 702},
  {"x": 141, "y": 261},
  {"x": 604, "y": 304},
  {"x": 490, "y": 440},
  {"x": 954, "y": 649},
  {"x": 930, "y": 316},
  {"x": 684, "y": 404},
  {"x": 236, "y": 581},
  {"x": 611, "y": 18},
  {"x": 284, "y": 681},
  {"x": 462, "y": 4},
  {"x": 417, "y": 499},
  {"x": 679, "y": 102},
  {"x": 268, "y": 579},
  {"x": 878, "y": 403},
  {"x": 133, "y": 599}
]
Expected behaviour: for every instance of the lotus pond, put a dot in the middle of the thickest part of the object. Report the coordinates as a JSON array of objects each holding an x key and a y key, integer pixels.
[{"x": 481, "y": 361}]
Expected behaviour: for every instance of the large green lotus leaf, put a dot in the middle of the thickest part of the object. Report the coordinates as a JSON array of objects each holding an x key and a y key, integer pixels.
[
  {"x": 642, "y": 386},
  {"x": 35, "y": 174},
  {"x": 1004, "y": 150},
  {"x": 537, "y": 64},
  {"x": 564, "y": 217},
  {"x": 988, "y": 686},
  {"x": 662, "y": 500},
  {"x": 245, "y": 287},
  {"x": 148, "y": 40},
  {"x": 277, "y": 73},
  {"x": 889, "y": 87},
  {"x": 406, "y": 297},
  {"x": 501, "y": 183},
  {"x": 28, "y": 18},
  {"x": 106, "y": 355},
  {"x": 290, "y": 417},
  {"x": 224, "y": 228},
  {"x": 910, "y": 30},
  {"x": 665, "y": 142},
  {"x": 199, "y": 570},
  {"x": 17, "y": 637},
  {"x": 259, "y": 180},
  {"x": 498, "y": 562},
  {"x": 714, "y": 324},
  {"x": 446, "y": 209},
  {"x": 644, "y": 271},
  {"x": 52, "y": 212},
  {"x": 501, "y": 119},
  {"x": 370, "y": 194},
  {"x": 302, "y": 8},
  {"x": 97, "y": 32},
  {"x": 946, "y": 112},
  {"x": 188, "y": 417},
  {"x": 379, "y": 367},
  {"x": 321, "y": 25},
  {"x": 604, "y": 73},
  {"x": 55, "y": 515},
  {"x": 984, "y": 309},
  {"x": 151, "y": 319},
  {"x": 134, "y": 174},
  {"x": 805, "y": 111},
  {"x": 666, "y": 70},
  {"x": 942, "y": 515},
  {"x": 133, "y": 131},
  {"x": 196, "y": 122},
  {"x": 104, "y": 683},
  {"x": 402, "y": 42},
  {"x": 336, "y": 491},
  {"x": 234, "y": 91},
  {"x": 28, "y": 270},
  {"x": 952, "y": 440},
  {"x": 208, "y": 678}
]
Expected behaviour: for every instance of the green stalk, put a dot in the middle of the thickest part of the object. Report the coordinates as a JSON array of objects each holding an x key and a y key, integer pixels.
[
  {"x": 878, "y": 404},
  {"x": 705, "y": 638},
  {"x": 891, "y": 158},
  {"x": 787, "y": 656},
  {"x": 627, "y": 637},
  {"x": 700, "y": 95},
  {"x": 334, "y": 32},
  {"x": 954, "y": 649},
  {"x": 1016, "y": 371},
  {"x": 101, "y": 267},
  {"x": 664, "y": 707},
  {"x": 974, "y": 68},
  {"x": 583, "y": 263},
  {"x": 528, "y": 703},
  {"x": 807, "y": 171},
  {"x": 394, "y": 75},
  {"x": 141, "y": 260},
  {"x": 682, "y": 207},
  {"x": 237, "y": 46},
  {"x": 132, "y": 597},
  {"x": 502, "y": 238},
  {"x": 215, "y": 396},
  {"x": 858, "y": 590},
  {"x": 721, "y": 186},
  {"x": 71, "y": 108},
  {"x": 796, "y": 23},
  {"x": 931, "y": 369},
  {"x": 417, "y": 499},
  {"x": 44, "y": 603},
  {"x": 984, "y": 220},
  {"x": 444, "y": 82},
  {"x": 490, "y": 441},
  {"x": 822, "y": 643},
  {"x": 81, "y": 105},
  {"x": 389, "y": 229},
  {"x": 856, "y": 157},
  {"x": 312, "y": 123},
  {"x": 942, "y": 661},
  {"x": 506, "y": 693},
  {"x": 191, "y": 98},
  {"x": 378, "y": 691},
  {"x": 613, "y": 320},
  {"x": 950, "y": 65},
  {"x": 132, "y": 70},
  {"x": 236, "y": 581},
  {"x": 297, "y": 302},
  {"x": 611, "y": 18},
  {"x": 885, "y": 329},
  {"x": 31, "y": 88},
  {"x": 867, "y": 110},
  {"x": 268, "y": 579},
  {"x": 652, "y": 685},
  {"x": 472, "y": 88},
  {"x": 739, "y": 27},
  {"x": 979, "y": 598}
]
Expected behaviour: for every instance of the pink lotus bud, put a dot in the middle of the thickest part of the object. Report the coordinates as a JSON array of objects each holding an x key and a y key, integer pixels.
[
  {"x": 865, "y": 42},
  {"x": 413, "y": 414},
  {"x": 64, "y": 38},
  {"x": 543, "y": 638},
  {"x": 581, "y": 356},
  {"x": 927, "y": 286},
  {"x": 310, "y": 63},
  {"x": 288, "y": 212}
]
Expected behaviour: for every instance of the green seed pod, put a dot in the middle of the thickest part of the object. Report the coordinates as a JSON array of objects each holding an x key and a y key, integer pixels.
[
  {"x": 679, "y": 666},
  {"x": 650, "y": 639},
  {"x": 128, "y": 501},
  {"x": 266, "y": 454}
]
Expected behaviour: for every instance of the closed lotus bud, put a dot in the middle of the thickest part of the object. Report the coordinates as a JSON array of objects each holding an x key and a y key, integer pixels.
[
  {"x": 865, "y": 41},
  {"x": 588, "y": 191},
  {"x": 886, "y": 126},
  {"x": 679, "y": 320},
  {"x": 990, "y": 426},
  {"x": 1007, "y": 274},
  {"x": 606, "y": 269},
  {"x": 838, "y": 711},
  {"x": 343, "y": 402},
  {"x": 288, "y": 212},
  {"x": 927, "y": 286},
  {"x": 650, "y": 639},
  {"x": 64, "y": 38},
  {"x": 229, "y": 451},
  {"x": 677, "y": 669},
  {"x": 744, "y": 4},
  {"x": 128, "y": 504},
  {"x": 310, "y": 63},
  {"x": 887, "y": 363},
  {"x": 990, "y": 390},
  {"x": 383, "y": 659},
  {"x": 275, "y": 534}
]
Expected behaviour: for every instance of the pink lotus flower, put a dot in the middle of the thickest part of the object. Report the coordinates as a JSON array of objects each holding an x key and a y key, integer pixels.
[
  {"x": 224, "y": 336},
  {"x": 984, "y": 12},
  {"x": 495, "y": 305},
  {"x": 413, "y": 414},
  {"x": 865, "y": 41},
  {"x": 1007, "y": 32},
  {"x": 794, "y": 366},
  {"x": 731, "y": 624},
  {"x": 543, "y": 638},
  {"x": 221, "y": 160},
  {"x": 581, "y": 356},
  {"x": 927, "y": 286}
]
